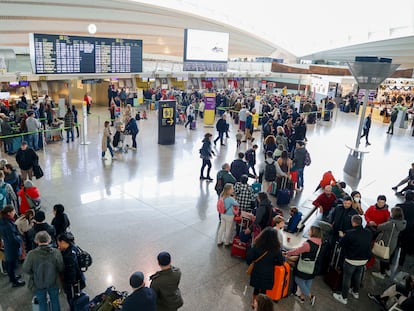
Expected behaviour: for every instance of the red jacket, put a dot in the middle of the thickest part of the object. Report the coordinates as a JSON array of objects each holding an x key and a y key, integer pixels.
[
  {"x": 379, "y": 216},
  {"x": 327, "y": 178},
  {"x": 32, "y": 192},
  {"x": 325, "y": 201}
]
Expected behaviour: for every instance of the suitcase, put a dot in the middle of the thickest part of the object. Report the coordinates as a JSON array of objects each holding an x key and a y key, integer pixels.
[
  {"x": 239, "y": 248},
  {"x": 272, "y": 188},
  {"x": 193, "y": 124},
  {"x": 327, "y": 116},
  {"x": 334, "y": 276},
  {"x": 282, "y": 279},
  {"x": 284, "y": 195},
  {"x": 294, "y": 178},
  {"x": 81, "y": 303},
  {"x": 236, "y": 119}
]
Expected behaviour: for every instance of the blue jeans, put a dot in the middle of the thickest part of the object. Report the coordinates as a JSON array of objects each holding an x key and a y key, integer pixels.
[
  {"x": 304, "y": 285},
  {"x": 41, "y": 295},
  {"x": 352, "y": 276},
  {"x": 108, "y": 145},
  {"x": 69, "y": 131},
  {"x": 33, "y": 140},
  {"x": 300, "y": 177}
]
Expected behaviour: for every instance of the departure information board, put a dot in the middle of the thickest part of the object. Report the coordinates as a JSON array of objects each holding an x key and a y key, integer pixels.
[{"x": 62, "y": 54}]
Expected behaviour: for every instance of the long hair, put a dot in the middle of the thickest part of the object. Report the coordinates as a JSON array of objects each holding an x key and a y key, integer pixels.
[
  {"x": 264, "y": 303},
  {"x": 267, "y": 240},
  {"x": 270, "y": 140},
  {"x": 226, "y": 190}
]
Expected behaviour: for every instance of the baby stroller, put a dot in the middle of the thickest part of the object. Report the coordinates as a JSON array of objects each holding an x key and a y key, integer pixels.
[{"x": 119, "y": 138}]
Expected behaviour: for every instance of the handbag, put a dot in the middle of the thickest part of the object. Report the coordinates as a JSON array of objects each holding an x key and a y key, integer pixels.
[
  {"x": 251, "y": 266},
  {"x": 33, "y": 204},
  {"x": 380, "y": 249},
  {"x": 37, "y": 171},
  {"x": 307, "y": 265}
]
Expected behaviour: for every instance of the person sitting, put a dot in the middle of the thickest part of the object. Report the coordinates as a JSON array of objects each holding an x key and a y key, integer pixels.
[
  {"x": 338, "y": 189},
  {"x": 325, "y": 201},
  {"x": 397, "y": 293},
  {"x": 327, "y": 179}
]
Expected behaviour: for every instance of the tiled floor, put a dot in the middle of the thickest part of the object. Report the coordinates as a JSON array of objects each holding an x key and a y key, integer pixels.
[{"x": 127, "y": 211}]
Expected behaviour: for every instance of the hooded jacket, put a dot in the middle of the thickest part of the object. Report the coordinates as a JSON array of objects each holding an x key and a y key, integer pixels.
[
  {"x": 165, "y": 284},
  {"x": 387, "y": 228}
]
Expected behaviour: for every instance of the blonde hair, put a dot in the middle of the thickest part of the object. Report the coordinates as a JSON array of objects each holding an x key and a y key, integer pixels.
[
  {"x": 278, "y": 219},
  {"x": 226, "y": 190}
]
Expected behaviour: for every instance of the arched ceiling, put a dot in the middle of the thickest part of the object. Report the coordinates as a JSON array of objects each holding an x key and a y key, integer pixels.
[{"x": 161, "y": 29}]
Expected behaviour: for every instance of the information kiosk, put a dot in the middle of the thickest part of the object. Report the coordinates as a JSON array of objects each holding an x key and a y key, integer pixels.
[{"x": 166, "y": 122}]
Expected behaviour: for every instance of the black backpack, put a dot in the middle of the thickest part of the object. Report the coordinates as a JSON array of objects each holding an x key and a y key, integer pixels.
[
  {"x": 219, "y": 185},
  {"x": 270, "y": 172},
  {"x": 84, "y": 259}
]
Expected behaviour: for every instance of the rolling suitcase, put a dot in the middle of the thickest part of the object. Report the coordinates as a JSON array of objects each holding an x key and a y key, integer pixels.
[
  {"x": 327, "y": 116},
  {"x": 193, "y": 124},
  {"x": 334, "y": 276},
  {"x": 284, "y": 195},
  {"x": 239, "y": 247},
  {"x": 281, "y": 285}
]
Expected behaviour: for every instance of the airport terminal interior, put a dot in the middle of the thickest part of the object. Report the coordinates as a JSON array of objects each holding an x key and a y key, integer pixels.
[{"x": 127, "y": 209}]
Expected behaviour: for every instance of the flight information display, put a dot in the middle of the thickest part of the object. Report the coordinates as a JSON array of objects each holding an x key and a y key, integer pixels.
[{"x": 62, "y": 54}]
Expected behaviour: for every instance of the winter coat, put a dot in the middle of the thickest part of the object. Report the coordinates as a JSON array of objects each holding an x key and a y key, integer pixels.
[
  {"x": 238, "y": 168},
  {"x": 165, "y": 284},
  {"x": 71, "y": 274},
  {"x": 11, "y": 238},
  {"x": 26, "y": 158},
  {"x": 143, "y": 299},
  {"x": 106, "y": 137},
  {"x": 262, "y": 276},
  {"x": 385, "y": 232},
  {"x": 69, "y": 121},
  {"x": 32, "y": 192},
  {"x": 205, "y": 152}
]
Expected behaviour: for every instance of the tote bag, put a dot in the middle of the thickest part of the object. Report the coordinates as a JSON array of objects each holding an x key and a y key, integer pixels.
[{"x": 382, "y": 250}]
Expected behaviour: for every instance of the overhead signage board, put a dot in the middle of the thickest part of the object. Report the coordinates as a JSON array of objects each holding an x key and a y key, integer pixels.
[{"x": 63, "y": 54}]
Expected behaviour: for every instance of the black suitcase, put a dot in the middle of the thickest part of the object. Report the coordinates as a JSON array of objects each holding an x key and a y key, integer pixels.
[{"x": 327, "y": 116}]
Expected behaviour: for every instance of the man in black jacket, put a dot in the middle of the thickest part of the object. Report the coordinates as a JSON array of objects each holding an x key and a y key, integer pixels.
[
  {"x": 221, "y": 127},
  {"x": 356, "y": 246},
  {"x": 341, "y": 218},
  {"x": 26, "y": 157},
  {"x": 407, "y": 235},
  {"x": 238, "y": 167}
]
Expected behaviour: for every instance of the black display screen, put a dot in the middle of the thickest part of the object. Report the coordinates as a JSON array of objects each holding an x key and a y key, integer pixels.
[{"x": 62, "y": 54}]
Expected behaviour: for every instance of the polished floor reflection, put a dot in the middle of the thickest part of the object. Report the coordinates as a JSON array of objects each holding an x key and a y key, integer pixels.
[{"x": 126, "y": 211}]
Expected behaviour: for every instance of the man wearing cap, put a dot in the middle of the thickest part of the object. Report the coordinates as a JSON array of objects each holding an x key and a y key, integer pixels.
[
  {"x": 33, "y": 125},
  {"x": 40, "y": 224},
  {"x": 43, "y": 266},
  {"x": 142, "y": 298},
  {"x": 165, "y": 284},
  {"x": 26, "y": 157}
]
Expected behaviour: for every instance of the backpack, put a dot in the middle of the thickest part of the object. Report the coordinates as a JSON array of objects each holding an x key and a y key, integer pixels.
[
  {"x": 84, "y": 259},
  {"x": 270, "y": 172},
  {"x": 219, "y": 185},
  {"x": 3, "y": 196},
  {"x": 307, "y": 160},
  {"x": 220, "y": 206},
  {"x": 45, "y": 274}
]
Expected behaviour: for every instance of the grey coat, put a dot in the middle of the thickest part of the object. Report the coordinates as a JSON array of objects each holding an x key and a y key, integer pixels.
[{"x": 385, "y": 232}]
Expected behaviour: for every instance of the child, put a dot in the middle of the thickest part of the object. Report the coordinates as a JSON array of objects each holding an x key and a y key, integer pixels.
[
  {"x": 239, "y": 137},
  {"x": 144, "y": 115},
  {"x": 295, "y": 218},
  {"x": 60, "y": 221}
]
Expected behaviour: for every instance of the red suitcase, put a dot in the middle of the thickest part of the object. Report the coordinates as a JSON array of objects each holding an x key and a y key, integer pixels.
[
  {"x": 334, "y": 276},
  {"x": 281, "y": 285},
  {"x": 239, "y": 248}
]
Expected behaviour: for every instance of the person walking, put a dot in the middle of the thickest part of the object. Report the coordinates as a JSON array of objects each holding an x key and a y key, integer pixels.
[
  {"x": 26, "y": 158},
  {"x": 206, "y": 154},
  {"x": 43, "y": 265},
  {"x": 69, "y": 123},
  {"x": 33, "y": 126},
  {"x": 356, "y": 246},
  {"x": 166, "y": 283},
  {"x": 75, "y": 119},
  {"x": 12, "y": 243},
  {"x": 106, "y": 140},
  {"x": 367, "y": 126},
  {"x": 221, "y": 127},
  {"x": 393, "y": 118},
  {"x": 142, "y": 297},
  {"x": 250, "y": 157},
  {"x": 190, "y": 116}
]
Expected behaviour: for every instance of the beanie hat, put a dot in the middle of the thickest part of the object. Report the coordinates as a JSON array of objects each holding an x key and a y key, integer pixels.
[
  {"x": 136, "y": 279},
  {"x": 28, "y": 183},
  {"x": 164, "y": 259}
]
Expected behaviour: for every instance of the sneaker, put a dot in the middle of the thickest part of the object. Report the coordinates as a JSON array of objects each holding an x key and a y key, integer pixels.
[
  {"x": 312, "y": 300},
  {"x": 375, "y": 298},
  {"x": 209, "y": 179},
  {"x": 19, "y": 283},
  {"x": 394, "y": 188},
  {"x": 338, "y": 297},
  {"x": 301, "y": 300},
  {"x": 379, "y": 275},
  {"x": 356, "y": 295},
  {"x": 368, "y": 144}
]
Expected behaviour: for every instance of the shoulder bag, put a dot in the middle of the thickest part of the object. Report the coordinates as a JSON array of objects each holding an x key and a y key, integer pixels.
[
  {"x": 306, "y": 265},
  {"x": 251, "y": 266},
  {"x": 380, "y": 249}
]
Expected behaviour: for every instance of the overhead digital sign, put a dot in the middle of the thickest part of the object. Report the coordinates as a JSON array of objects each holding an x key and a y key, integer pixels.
[{"x": 63, "y": 54}]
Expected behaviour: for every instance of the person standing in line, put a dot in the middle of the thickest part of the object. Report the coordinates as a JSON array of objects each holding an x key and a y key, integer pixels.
[
  {"x": 249, "y": 128},
  {"x": 393, "y": 118},
  {"x": 43, "y": 265},
  {"x": 132, "y": 127},
  {"x": 75, "y": 119},
  {"x": 7, "y": 194},
  {"x": 12, "y": 243},
  {"x": 73, "y": 279},
  {"x": 106, "y": 140},
  {"x": 356, "y": 245},
  {"x": 33, "y": 126},
  {"x": 367, "y": 126},
  {"x": 242, "y": 118},
  {"x": 228, "y": 117},
  {"x": 69, "y": 122},
  {"x": 206, "y": 154},
  {"x": 221, "y": 126},
  {"x": 142, "y": 297},
  {"x": 166, "y": 283},
  {"x": 201, "y": 107},
  {"x": 88, "y": 101},
  {"x": 231, "y": 207},
  {"x": 299, "y": 162},
  {"x": 26, "y": 157}
]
